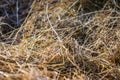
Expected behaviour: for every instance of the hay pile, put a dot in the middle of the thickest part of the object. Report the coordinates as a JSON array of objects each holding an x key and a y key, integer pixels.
[{"x": 64, "y": 40}]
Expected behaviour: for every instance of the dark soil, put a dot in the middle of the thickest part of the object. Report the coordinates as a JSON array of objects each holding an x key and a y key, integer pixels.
[{"x": 12, "y": 14}]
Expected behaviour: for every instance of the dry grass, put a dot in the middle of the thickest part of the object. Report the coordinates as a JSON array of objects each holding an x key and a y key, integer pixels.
[{"x": 61, "y": 40}]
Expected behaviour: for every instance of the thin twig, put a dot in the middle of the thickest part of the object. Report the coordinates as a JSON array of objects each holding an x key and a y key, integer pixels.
[{"x": 52, "y": 25}]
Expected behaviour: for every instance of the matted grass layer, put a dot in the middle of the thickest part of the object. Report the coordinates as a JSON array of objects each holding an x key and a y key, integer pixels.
[{"x": 63, "y": 40}]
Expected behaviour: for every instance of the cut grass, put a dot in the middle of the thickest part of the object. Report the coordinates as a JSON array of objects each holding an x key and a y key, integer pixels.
[{"x": 61, "y": 42}]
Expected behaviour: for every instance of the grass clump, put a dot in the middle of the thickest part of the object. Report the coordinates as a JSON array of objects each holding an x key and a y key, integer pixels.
[{"x": 65, "y": 40}]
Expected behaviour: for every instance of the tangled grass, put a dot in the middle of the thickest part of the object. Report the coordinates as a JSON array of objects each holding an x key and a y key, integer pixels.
[{"x": 61, "y": 40}]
